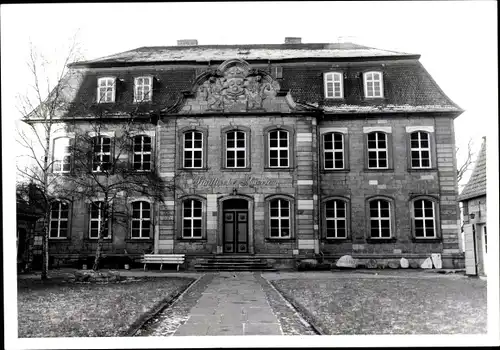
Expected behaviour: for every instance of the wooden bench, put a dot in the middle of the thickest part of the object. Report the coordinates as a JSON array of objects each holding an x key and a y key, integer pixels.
[{"x": 163, "y": 259}]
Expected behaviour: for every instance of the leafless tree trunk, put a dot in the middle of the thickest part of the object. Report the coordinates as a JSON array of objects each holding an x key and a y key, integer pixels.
[{"x": 466, "y": 163}]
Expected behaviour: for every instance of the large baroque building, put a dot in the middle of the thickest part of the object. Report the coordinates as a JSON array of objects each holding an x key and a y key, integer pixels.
[{"x": 276, "y": 151}]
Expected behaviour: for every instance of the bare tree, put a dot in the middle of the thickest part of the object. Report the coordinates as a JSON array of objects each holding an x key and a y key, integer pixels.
[
  {"x": 466, "y": 165},
  {"x": 40, "y": 108}
]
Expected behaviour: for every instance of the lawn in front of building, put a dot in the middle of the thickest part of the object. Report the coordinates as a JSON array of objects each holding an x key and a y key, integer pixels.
[
  {"x": 62, "y": 309},
  {"x": 385, "y": 305}
]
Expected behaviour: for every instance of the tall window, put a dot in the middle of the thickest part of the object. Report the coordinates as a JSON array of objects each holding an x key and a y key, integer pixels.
[
  {"x": 424, "y": 218},
  {"x": 279, "y": 149},
  {"x": 96, "y": 214},
  {"x": 59, "y": 214},
  {"x": 102, "y": 154},
  {"x": 192, "y": 216},
  {"x": 236, "y": 149},
  {"x": 193, "y": 149},
  {"x": 336, "y": 219},
  {"x": 420, "y": 150},
  {"x": 62, "y": 155},
  {"x": 141, "y": 219},
  {"x": 143, "y": 89},
  {"x": 380, "y": 218},
  {"x": 142, "y": 153},
  {"x": 377, "y": 150},
  {"x": 373, "y": 84},
  {"x": 279, "y": 217},
  {"x": 334, "y": 85},
  {"x": 106, "y": 90},
  {"x": 333, "y": 151}
]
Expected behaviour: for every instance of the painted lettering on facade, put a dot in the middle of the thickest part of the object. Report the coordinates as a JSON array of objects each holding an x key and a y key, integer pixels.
[{"x": 247, "y": 181}]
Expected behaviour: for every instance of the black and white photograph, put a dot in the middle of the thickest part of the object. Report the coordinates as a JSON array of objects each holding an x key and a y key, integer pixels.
[{"x": 250, "y": 174}]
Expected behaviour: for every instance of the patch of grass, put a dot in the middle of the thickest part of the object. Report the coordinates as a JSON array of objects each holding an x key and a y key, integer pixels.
[
  {"x": 90, "y": 310},
  {"x": 390, "y": 305}
]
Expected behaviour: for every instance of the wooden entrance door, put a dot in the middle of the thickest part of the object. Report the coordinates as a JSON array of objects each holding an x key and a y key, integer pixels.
[{"x": 235, "y": 231}]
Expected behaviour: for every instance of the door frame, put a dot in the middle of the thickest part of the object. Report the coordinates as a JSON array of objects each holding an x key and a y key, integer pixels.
[{"x": 220, "y": 221}]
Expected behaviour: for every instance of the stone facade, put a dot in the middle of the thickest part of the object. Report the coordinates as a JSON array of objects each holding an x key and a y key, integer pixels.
[{"x": 256, "y": 97}]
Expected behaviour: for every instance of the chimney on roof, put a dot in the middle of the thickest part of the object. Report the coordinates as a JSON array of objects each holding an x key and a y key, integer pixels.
[
  {"x": 293, "y": 40},
  {"x": 187, "y": 42}
]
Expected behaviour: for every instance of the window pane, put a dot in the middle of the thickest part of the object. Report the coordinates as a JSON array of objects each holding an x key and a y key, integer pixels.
[
  {"x": 274, "y": 223},
  {"x": 285, "y": 224},
  {"x": 429, "y": 223}
]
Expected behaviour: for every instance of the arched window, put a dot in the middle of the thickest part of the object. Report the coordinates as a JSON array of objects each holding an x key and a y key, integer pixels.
[
  {"x": 279, "y": 148},
  {"x": 424, "y": 218},
  {"x": 142, "y": 153},
  {"x": 102, "y": 154},
  {"x": 420, "y": 146},
  {"x": 106, "y": 90},
  {"x": 377, "y": 150},
  {"x": 236, "y": 149},
  {"x": 333, "y": 151},
  {"x": 59, "y": 219},
  {"x": 280, "y": 219},
  {"x": 62, "y": 155},
  {"x": 336, "y": 219},
  {"x": 373, "y": 82},
  {"x": 141, "y": 219},
  {"x": 380, "y": 218},
  {"x": 334, "y": 85},
  {"x": 193, "y": 149},
  {"x": 192, "y": 218},
  {"x": 96, "y": 215}
]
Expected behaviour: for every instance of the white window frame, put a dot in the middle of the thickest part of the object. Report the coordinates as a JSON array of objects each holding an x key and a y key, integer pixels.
[
  {"x": 420, "y": 149},
  {"x": 141, "y": 153},
  {"x": 192, "y": 149},
  {"x": 110, "y": 85},
  {"x": 236, "y": 149},
  {"x": 336, "y": 218},
  {"x": 279, "y": 148},
  {"x": 98, "y": 219},
  {"x": 329, "y": 78},
  {"x": 377, "y": 150},
  {"x": 60, "y": 154},
  {"x": 333, "y": 150},
  {"x": 142, "y": 96},
  {"x": 380, "y": 218},
  {"x": 280, "y": 218},
  {"x": 101, "y": 153},
  {"x": 192, "y": 218},
  {"x": 142, "y": 221},
  {"x": 59, "y": 219},
  {"x": 370, "y": 80},
  {"x": 424, "y": 217}
]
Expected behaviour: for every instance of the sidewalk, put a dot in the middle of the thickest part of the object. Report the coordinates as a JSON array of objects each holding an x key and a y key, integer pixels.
[{"x": 232, "y": 304}]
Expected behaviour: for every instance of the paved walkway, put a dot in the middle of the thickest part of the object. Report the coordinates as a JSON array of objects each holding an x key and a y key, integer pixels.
[{"x": 232, "y": 304}]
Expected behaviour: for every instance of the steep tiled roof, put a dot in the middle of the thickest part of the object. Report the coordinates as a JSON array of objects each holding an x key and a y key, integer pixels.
[
  {"x": 477, "y": 183},
  {"x": 205, "y": 53}
]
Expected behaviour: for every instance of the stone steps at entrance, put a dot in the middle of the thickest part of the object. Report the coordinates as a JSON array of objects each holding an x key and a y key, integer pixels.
[{"x": 232, "y": 263}]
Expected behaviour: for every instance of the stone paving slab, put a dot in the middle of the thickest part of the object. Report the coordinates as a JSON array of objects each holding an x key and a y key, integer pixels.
[{"x": 232, "y": 304}]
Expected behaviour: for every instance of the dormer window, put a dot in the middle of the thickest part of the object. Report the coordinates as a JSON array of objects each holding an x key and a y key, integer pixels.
[
  {"x": 374, "y": 87},
  {"x": 143, "y": 89},
  {"x": 334, "y": 87},
  {"x": 106, "y": 90}
]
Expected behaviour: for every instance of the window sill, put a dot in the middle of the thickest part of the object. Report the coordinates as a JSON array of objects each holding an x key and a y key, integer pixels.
[
  {"x": 59, "y": 240},
  {"x": 94, "y": 240},
  {"x": 426, "y": 240},
  {"x": 236, "y": 169},
  {"x": 192, "y": 170},
  {"x": 381, "y": 240},
  {"x": 420, "y": 170},
  {"x": 387, "y": 170},
  {"x": 286, "y": 169},
  {"x": 139, "y": 240},
  {"x": 184, "y": 239},
  {"x": 333, "y": 171},
  {"x": 278, "y": 240},
  {"x": 336, "y": 240}
]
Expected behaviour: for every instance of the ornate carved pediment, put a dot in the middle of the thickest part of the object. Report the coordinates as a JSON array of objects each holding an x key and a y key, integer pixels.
[{"x": 235, "y": 86}]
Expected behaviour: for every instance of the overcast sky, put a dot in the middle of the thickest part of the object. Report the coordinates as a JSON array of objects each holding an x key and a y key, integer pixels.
[{"x": 457, "y": 42}]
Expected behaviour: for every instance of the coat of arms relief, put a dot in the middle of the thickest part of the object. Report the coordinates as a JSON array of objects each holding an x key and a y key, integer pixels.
[{"x": 235, "y": 84}]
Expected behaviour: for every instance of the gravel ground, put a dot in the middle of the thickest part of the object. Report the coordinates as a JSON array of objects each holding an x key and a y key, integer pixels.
[
  {"x": 166, "y": 322},
  {"x": 387, "y": 305},
  {"x": 63, "y": 309}
]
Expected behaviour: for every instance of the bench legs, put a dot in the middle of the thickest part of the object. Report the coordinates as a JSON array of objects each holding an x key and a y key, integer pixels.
[
  {"x": 161, "y": 266},
  {"x": 144, "y": 267},
  {"x": 177, "y": 267}
]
